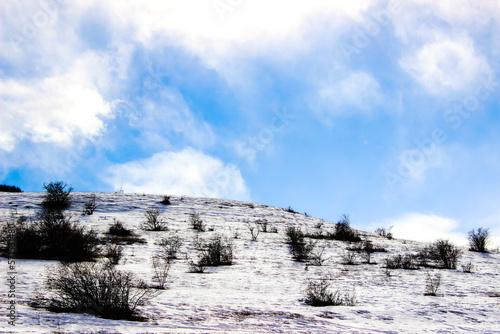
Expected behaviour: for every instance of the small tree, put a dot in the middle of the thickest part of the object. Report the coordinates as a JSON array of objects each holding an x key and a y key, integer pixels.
[
  {"x": 478, "y": 240},
  {"x": 58, "y": 196}
]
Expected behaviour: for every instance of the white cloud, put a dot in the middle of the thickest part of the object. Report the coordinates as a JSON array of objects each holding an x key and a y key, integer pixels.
[
  {"x": 426, "y": 228},
  {"x": 359, "y": 92},
  {"x": 57, "y": 109},
  {"x": 446, "y": 65},
  {"x": 188, "y": 172}
]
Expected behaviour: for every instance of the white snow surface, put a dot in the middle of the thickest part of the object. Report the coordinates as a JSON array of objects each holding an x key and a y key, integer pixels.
[{"x": 262, "y": 291}]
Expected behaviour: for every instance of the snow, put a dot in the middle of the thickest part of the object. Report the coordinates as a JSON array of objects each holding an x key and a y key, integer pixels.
[{"x": 262, "y": 291}]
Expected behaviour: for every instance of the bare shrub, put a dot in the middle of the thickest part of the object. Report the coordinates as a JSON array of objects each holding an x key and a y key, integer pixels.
[
  {"x": 432, "y": 284},
  {"x": 366, "y": 249},
  {"x": 344, "y": 232},
  {"x": 408, "y": 261},
  {"x": 113, "y": 253},
  {"x": 467, "y": 268},
  {"x": 349, "y": 257},
  {"x": 478, "y": 240},
  {"x": 170, "y": 246},
  {"x": 166, "y": 200},
  {"x": 196, "y": 222},
  {"x": 384, "y": 232},
  {"x": 265, "y": 226},
  {"x": 90, "y": 205},
  {"x": 317, "y": 256},
  {"x": 216, "y": 251},
  {"x": 443, "y": 253},
  {"x": 154, "y": 220},
  {"x": 294, "y": 235},
  {"x": 117, "y": 228},
  {"x": 320, "y": 294},
  {"x": 254, "y": 231},
  {"x": 161, "y": 267},
  {"x": 302, "y": 251},
  {"x": 96, "y": 286}
]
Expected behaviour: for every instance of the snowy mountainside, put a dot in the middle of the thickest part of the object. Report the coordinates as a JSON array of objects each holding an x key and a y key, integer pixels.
[{"x": 262, "y": 291}]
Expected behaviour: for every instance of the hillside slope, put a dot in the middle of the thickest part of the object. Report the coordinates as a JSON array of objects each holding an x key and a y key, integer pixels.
[{"x": 262, "y": 291}]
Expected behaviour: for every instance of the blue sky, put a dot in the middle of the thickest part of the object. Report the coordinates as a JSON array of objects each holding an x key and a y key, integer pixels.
[{"x": 386, "y": 110}]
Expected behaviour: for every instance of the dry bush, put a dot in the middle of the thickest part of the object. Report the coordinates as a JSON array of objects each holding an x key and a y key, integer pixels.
[
  {"x": 384, "y": 232},
  {"x": 254, "y": 231},
  {"x": 171, "y": 246},
  {"x": 294, "y": 235},
  {"x": 344, "y": 232},
  {"x": 320, "y": 294},
  {"x": 108, "y": 292},
  {"x": 478, "y": 240},
  {"x": 467, "y": 268},
  {"x": 113, "y": 253},
  {"x": 166, "y": 200},
  {"x": 154, "y": 220},
  {"x": 408, "y": 261},
  {"x": 90, "y": 205},
  {"x": 161, "y": 267},
  {"x": 117, "y": 228},
  {"x": 349, "y": 257},
  {"x": 216, "y": 251},
  {"x": 432, "y": 284},
  {"x": 442, "y": 253},
  {"x": 196, "y": 222}
]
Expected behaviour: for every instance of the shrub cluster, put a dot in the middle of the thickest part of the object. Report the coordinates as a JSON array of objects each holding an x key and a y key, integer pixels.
[
  {"x": 53, "y": 236},
  {"x": 10, "y": 189},
  {"x": 408, "y": 261},
  {"x": 441, "y": 254},
  {"x": 213, "y": 252}
]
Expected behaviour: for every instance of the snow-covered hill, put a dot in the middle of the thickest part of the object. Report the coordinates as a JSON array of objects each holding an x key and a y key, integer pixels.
[{"x": 262, "y": 291}]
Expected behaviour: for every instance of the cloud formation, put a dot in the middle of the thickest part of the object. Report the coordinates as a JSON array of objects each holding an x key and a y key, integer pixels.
[
  {"x": 179, "y": 173},
  {"x": 54, "y": 109},
  {"x": 426, "y": 227}
]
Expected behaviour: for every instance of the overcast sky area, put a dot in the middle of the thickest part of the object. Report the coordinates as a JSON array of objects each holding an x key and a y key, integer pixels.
[{"x": 385, "y": 110}]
